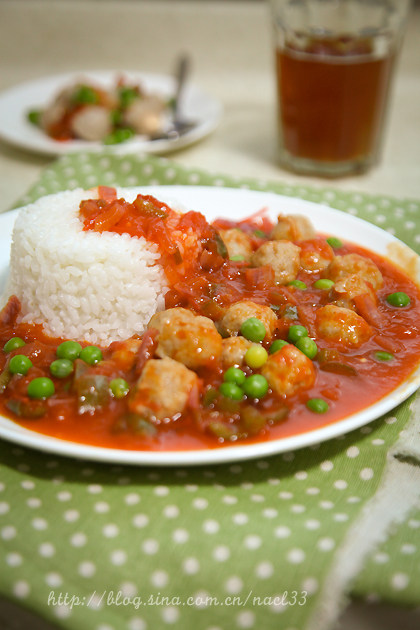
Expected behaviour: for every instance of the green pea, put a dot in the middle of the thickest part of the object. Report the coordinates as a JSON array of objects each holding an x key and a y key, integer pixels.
[
  {"x": 398, "y": 299},
  {"x": 234, "y": 375},
  {"x": 317, "y": 405},
  {"x": 307, "y": 346},
  {"x": 260, "y": 234},
  {"x": 119, "y": 135},
  {"x": 85, "y": 95},
  {"x": 119, "y": 387},
  {"x": 41, "y": 387},
  {"x": 231, "y": 390},
  {"x": 19, "y": 364},
  {"x": 34, "y": 117},
  {"x": 324, "y": 284},
  {"x": 296, "y": 331},
  {"x": 115, "y": 116},
  {"x": 91, "y": 355},
  {"x": 256, "y": 356},
  {"x": 255, "y": 386},
  {"x": 383, "y": 356},
  {"x": 334, "y": 242},
  {"x": 61, "y": 368},
  {"x": 13, "y": 344},
  {"x": 69, "y": 350},
  {"x": 278, "y": 344},
  {"x": 253, "y": 329},
  {"x": 127, "y": 95},
  {"x": 298, "y": 284}
]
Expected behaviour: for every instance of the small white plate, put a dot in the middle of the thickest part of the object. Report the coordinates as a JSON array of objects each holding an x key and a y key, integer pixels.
[
  {"x": 234, "y": 204},
  {"x": 16, "y": 102}
]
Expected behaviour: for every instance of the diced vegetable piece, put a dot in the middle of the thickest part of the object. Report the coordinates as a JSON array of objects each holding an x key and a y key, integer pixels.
[
  {"x": 220, "y": 246},
  {"x": 334, "y": 242},
  {"x": 5, "y": 377},
  {"x": 290, "y": 312},
  {"x": 222, "y": 431},
  {"x": 328, "y": 354},
  {"x": 279, "y": 414},
  {"x": 252, "y": 420},
  {"x": 141, "y": 425},
  {"x": 92, "y": 392},
  {"x": 336, "y": 367},
  {"x": 27, "y": 409},
  {"x": 209, "y": 397}
]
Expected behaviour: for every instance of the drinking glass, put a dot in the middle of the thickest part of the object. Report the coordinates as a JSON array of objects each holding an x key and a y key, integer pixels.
[{"x": 335, "y": 60}]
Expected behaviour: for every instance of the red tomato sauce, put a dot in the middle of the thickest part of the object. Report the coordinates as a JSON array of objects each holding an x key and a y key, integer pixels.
[{"x": 206, "y": 283}]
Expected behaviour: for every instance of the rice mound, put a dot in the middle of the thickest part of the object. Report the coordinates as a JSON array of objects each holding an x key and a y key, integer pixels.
[{"x": 89, "y": 286}]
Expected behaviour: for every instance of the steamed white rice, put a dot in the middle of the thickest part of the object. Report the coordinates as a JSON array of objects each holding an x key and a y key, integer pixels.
[{"x": 96, "y": 287}]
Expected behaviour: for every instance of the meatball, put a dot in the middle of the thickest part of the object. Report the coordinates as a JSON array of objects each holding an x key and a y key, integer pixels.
[
  {"x": 191, "y": 339},
  {"x": 162, "y": 390},
  {"x": 91, "y": 123},
  {"x": 289, "y": 371},
  {"x": 342, "y": 326},
  {"x": 234, "y": 350},
  {"x": 352, "y": 286},
  {"x": 237, "y": 243},
  {"x": 282, "y": 256},
  {"x": 315, "y": 255},
  {"x": 292, "y": 227},
  {"x": 353, "y": 264},
  {"x": 236, "y": 314}
]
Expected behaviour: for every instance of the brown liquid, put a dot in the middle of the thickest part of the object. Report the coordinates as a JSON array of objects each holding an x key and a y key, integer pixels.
[{"x": 333, "y": 98}]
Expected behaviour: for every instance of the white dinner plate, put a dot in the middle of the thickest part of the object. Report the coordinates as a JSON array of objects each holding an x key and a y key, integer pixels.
[
  {"x": 16, "y": 102},
  {"x": 233, "y": 204}
]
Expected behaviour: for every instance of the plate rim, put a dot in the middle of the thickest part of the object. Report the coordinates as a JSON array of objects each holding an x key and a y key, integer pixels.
[
  {"x": 48, "y": 146},
  {"x": 13, "y": 432}
]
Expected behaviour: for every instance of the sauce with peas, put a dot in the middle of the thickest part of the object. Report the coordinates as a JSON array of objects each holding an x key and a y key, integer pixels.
[{"x": 270, "y": 330}]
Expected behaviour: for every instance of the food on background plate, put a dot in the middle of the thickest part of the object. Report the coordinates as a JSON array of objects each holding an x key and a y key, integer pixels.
[
  {"x": 130, "y": 323},
  {"x": 87, "y": 111}
]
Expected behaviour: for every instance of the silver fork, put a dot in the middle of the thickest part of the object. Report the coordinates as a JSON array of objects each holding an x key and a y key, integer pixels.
[{"x": 179, "y": 125}]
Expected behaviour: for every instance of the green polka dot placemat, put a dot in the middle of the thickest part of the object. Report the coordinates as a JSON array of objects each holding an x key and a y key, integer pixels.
[
  {"x": 392, "y": 572},
  {"x": 91, "y": 546}
]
